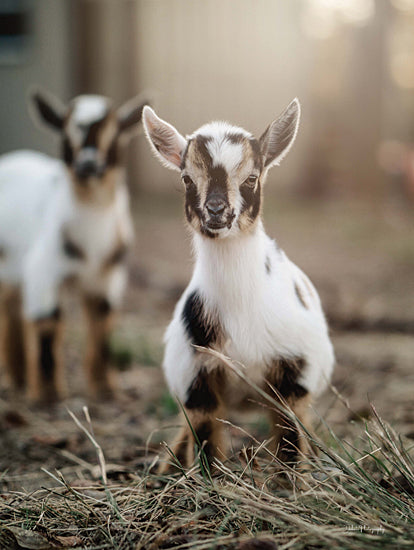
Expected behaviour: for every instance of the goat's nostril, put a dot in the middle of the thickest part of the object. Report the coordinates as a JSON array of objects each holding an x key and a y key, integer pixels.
[{"x": 215, "y": 207}]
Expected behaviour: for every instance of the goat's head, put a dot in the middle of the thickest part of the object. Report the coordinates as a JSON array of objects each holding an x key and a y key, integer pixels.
[
  {"x": 92, "y": 131},
  {"x": 222, "y": 167}
]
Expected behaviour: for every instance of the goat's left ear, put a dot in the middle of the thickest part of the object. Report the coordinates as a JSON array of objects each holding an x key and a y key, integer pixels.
[
  {"x": 130, "y": 115},
  {"x": 278, "y": 138}
]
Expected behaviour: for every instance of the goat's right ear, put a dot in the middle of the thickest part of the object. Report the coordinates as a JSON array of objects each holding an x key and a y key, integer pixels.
[
  {"x": 167, "y": 143},
  {"x": 47, "y": 108}
]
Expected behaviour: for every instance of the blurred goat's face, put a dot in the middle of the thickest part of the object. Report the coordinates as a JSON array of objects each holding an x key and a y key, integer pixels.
[
  {"x": 223, "y": 168},
  {"x": 92, "y": 133},
  {"x": 90, "y": 144}
]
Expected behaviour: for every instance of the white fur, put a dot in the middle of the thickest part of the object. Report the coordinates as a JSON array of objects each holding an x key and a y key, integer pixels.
[
  {"x": 37, "y": 202},
  {"x": 89, "y": 108},
  {"x": 264, "y": 315},
  {"x": 260, "y": 313}
]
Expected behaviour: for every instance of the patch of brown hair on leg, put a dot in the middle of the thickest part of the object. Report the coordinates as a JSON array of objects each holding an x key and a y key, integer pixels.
[
  {"x": 12, "y": 336},
  {"x": 100, "y": 317},
  {"x": 44, "y": 358},
  {"x": 289, "y": 441},
  {"x": 288, "y": 438},
  {"x": 209, "y": 433}
]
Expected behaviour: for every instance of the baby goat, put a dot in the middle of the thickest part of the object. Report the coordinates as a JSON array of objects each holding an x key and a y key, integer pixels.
[
  {"x": 246, "y": 299},
  {"x": 64, "y": 221}
]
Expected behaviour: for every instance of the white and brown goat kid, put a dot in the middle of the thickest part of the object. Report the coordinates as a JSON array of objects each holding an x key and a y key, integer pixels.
[
  {"x": 60, "y": 221},
  {"x": 246, "y": 299}
]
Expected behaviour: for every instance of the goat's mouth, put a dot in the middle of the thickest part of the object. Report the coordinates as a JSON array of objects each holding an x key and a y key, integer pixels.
[{"x": 218, "y": 225}]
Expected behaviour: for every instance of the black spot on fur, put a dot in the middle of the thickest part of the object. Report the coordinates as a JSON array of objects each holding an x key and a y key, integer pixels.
[
  {"x": 200, "y": 330},
  {"x": 67, "y": 152},
  {"x": 192, "y": 202},
  {"x": 251, "y": 200},
  {"x": 300, "y": 297},
  {"x": 268, "y": 265},
  {"x": 283, "y": 375},
  {"x": 46, "y": 354},
  {"x": 202, "y": 394},
  {"x": 217, "y": 182},
  {"x": 72, "y": 250}
]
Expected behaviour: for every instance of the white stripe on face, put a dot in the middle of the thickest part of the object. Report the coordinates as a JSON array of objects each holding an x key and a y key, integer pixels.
[
  {"x": 89, "y": 108},
  {"x": 225, "y": 153}
]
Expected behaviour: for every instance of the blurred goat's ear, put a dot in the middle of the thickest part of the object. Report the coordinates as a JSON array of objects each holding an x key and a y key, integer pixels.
[
  {"x": 167, "y": 144},
  {"x": 130, "y": 115},
  {"x": 47, "y": 108},
  {"x": 277, "y": 140}
]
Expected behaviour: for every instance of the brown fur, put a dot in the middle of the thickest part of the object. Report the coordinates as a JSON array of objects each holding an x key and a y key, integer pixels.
[
  {"x": 11, "y": 336},
  {"x": 41, "y": 388},
  {"x": 209, "y": 431},
  {"x": 288, "y": 440},
  {"x": 100, "y": 321}
]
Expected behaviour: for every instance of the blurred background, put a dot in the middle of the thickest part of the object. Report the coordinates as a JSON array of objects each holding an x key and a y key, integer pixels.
[
  {"x": 351, "y": 63},
  {"x": 341, "y": 204}
]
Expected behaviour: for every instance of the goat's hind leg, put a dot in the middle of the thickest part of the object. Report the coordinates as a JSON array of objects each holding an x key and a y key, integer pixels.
[
  {"x": 289, "y": 440},
  {"x": 12, "y": 336}
]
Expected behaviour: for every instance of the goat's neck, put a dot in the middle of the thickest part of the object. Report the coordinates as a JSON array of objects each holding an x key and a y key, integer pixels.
[{"x": 231, "y": 270}]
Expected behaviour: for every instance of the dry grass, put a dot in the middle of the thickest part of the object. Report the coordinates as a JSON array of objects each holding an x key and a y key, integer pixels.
[{"x": 348, "y": 495}]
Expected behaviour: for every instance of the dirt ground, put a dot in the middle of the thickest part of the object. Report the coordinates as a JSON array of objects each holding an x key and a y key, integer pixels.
[{"x": 360, "y": 258}]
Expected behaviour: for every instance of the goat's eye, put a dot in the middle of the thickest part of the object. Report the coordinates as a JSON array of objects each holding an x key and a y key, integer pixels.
[
  {"x": 187, "y": 180},
  {"x": 251, "y": 180}
]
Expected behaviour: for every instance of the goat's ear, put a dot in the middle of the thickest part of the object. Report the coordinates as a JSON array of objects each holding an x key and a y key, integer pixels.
[
  {"x": 130, "y": 115},
  {"x": 47, "y": 108},
  {"x": 278, "y": 138},
  {"x": 166, "y": 142}
]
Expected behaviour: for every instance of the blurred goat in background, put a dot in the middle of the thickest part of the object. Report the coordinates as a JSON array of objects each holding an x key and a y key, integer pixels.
[{"x": 64, "y": 221}]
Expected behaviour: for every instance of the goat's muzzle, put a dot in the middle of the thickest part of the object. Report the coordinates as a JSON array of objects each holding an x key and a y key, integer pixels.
[
  {"x": 218, "y": 213},
  {"x": 88, "y": 165}
]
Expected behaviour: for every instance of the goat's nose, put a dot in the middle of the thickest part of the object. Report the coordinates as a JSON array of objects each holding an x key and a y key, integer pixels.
[
  {"x": 215, "y": 206},
  {"x": 85, "y": 169}
]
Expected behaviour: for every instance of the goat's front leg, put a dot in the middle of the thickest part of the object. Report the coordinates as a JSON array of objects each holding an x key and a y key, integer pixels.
[
  {"x": 99, "y": 316},
  {"x": 43, "y": 338},
  {"x": 12, "y": 336},
  {"x": 201, "y": 429}
]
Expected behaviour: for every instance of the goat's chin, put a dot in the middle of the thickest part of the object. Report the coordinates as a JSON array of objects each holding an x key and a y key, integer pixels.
[{"x": 216, "y": 232}]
